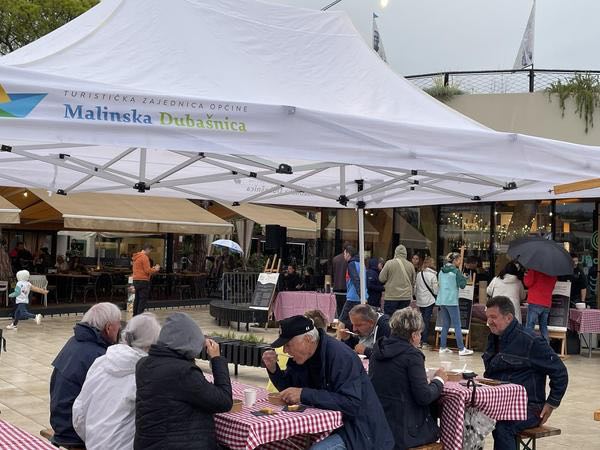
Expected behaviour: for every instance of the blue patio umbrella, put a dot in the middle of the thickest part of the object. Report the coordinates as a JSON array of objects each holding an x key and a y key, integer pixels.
[{"x": 231, "y": 245}]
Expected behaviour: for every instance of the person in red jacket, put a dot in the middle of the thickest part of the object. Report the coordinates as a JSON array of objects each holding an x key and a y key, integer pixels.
[
  {"x": 539, "y": 299},
  {"x": 141, "y": 278}
]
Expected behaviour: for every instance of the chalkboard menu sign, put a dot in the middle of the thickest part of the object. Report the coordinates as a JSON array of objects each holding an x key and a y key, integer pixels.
[
  {"x": 264, "y": 291},
  {"x": 465, "y": 306},
  {"x": 558, "y": 318}
]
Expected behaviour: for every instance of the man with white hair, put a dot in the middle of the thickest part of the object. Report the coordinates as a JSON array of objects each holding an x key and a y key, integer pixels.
[
  {"x": 98, "y": 329},
  {"x": 327, "y": 374},
  {"x": 104, "y": 411}
]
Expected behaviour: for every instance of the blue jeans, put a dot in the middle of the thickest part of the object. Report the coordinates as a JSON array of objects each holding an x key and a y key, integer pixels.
[
  {"x": 21, "y": 313},
  {"x": 538, "y": 314},
  {"x": 506, "y": 431},
  {"x": 391, "y": 306},
  {"x": 331, "y": 442},
  {"x": 451, "y": 314},
  {"x": 426, "y": 312}
]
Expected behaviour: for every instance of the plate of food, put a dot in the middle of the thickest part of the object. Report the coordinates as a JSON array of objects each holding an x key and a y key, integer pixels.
[{"x": 294, "y": 408}]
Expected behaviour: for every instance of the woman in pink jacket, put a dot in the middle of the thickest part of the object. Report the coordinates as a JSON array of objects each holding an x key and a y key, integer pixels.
[{"x": 539, "y": 299}]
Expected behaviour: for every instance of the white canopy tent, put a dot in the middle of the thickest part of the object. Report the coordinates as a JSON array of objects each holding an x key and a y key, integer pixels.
[{"x": 245, "y": 101}]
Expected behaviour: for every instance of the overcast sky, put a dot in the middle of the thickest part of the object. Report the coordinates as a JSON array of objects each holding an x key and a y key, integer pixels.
[{"x": 422, "y": 36}]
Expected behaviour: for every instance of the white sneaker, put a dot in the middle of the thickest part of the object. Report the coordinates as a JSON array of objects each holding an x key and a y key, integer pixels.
[
  {"x": 38, "y": 319},
  {"x": 445, "y": 350},
  {"x": 11, "y": 327},
  {"x": 465, "y": 352}
]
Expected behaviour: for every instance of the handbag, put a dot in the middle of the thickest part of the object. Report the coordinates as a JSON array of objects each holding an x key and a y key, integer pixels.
[
  {"x": 427, "y": 286},
  {"x": 476, "y": 425}
]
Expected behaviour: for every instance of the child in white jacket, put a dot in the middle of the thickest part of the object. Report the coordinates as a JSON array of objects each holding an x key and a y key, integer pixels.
[
  {"x": 507, "y": 284},
  {"x": 21, "y": 295}
]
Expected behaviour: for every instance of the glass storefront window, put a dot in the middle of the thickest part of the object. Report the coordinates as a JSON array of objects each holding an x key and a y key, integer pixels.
[
  {"x": 576, "y": 229},
  {"x": 468, "y": 226},
  {"x": 416, "y": 229},
  {"x": 518, "y": 219}
]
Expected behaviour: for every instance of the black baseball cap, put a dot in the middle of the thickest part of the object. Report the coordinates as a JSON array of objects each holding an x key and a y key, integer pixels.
[{"x": 291, "y": 327}]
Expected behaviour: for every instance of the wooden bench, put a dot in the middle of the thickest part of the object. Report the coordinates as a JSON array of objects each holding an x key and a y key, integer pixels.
[
  {"x": 526, "y": 439},
  {"x": 432, "y": 446}
]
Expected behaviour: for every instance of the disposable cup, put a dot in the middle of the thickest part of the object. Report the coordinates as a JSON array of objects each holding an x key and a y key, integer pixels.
[{"x": 249, "y": 397}]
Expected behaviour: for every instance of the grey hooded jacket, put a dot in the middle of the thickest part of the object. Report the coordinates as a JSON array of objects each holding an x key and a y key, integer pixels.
[{"x": 399, "y": 283}]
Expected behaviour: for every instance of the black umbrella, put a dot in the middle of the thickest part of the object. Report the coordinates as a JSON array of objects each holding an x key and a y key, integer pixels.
[{"x": 541, "y": 254}]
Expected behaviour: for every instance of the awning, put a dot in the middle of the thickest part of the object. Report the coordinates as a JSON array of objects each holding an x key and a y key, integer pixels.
[
  {"x": 298, "y": 226},
  {"x": 112, "y": 212},
  {"x": 9, "y": 213}
]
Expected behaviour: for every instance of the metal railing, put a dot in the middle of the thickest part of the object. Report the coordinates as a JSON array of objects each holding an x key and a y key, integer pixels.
[
  {"x": 238, "y": 287},
  {"x": 497, "y": 81}
]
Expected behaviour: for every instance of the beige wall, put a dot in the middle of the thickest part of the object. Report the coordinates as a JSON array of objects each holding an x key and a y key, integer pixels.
[{"x": 528, "y": 113}]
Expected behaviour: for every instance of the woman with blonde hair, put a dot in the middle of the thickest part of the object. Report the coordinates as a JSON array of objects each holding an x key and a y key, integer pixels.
[
  {"x": 426, "y": 289},
  {"x": 450, "y": 280}
]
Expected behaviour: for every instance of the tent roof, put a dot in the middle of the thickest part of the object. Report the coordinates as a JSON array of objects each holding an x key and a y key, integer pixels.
[
  {"x": 297, "y": 225},
  {"x": 90, "y": 211},
  {"x": 212, "y": 101},
  {"x": 233, "y": 51}
]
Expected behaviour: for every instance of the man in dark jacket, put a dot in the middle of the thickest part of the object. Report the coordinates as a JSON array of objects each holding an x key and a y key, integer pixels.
[
  {"x": 374, "y": 287},
  {"x": 368, "y": 326},
  {"x": 339, "y": 267},
  {"x": 98, "y": 329},
  {"x": 517, "y": 355},
  {"x": 175, "y": 404},
  {"x": 325, "y": 373}
]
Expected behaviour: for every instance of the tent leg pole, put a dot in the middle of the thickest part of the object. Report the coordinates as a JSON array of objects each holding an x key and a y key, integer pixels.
[{"x": 361, "y": 252}]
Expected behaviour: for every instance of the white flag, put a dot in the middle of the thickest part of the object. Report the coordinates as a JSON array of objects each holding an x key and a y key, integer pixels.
[
  {"x": 525, "y": 54},
  {"x": 377, "y": 44}
]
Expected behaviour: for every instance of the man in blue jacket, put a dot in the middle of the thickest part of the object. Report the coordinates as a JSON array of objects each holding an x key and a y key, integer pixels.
[
  {"x": 517, "y": 355},
  {"x": 326, "y": 373},
  {"x": 98, "y": 329},
  {"x": 352, "y": 284}
]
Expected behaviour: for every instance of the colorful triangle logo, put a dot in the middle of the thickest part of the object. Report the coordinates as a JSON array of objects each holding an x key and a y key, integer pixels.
[{"x": 18, "y": 105}]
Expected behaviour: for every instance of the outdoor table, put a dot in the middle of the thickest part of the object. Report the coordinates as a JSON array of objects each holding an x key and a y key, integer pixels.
[
  {"x": 70, "y": 278},
  {"x": 244, "y": 431},
  {"x": 13, "y": 438},
  {"x": 585, "y": 321},
  {"x": 502, "y": 402},
  {"x": 293, "y": 303}
]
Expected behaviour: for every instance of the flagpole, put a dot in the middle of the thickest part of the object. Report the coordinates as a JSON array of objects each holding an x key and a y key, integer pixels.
[{"x": 333, "y": 3}]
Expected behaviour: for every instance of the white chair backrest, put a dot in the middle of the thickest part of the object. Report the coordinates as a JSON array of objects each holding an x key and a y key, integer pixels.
[
  {"x": 39, "y": 281},
  {"x": 3, "y": 286}
]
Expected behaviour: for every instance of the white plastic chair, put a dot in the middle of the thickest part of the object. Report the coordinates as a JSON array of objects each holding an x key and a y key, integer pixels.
[
  {"x": 4, "y": 290},
  {"x": 42, "y": 282}
]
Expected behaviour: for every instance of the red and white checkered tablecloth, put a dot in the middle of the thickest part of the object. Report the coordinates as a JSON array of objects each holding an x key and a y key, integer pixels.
[
  {"x": 503, "y": 402},
  {"x": 13, "y": 438},
  {"x": 584, "y": 320},
  {"x": 244, "y": 431},
  {"x": 288, "y": 304}
]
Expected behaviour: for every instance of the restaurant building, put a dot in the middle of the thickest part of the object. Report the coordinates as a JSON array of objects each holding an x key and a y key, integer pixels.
[{"x": 500, "y": 101}]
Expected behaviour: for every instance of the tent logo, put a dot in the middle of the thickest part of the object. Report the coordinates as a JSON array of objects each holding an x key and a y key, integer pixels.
[{"x": 18, "y": 105}]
